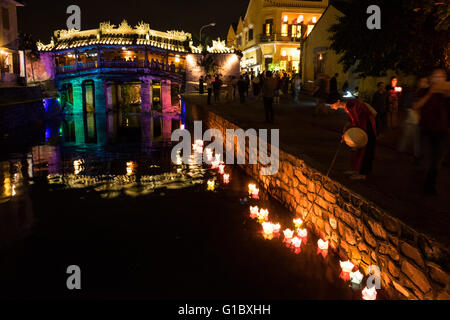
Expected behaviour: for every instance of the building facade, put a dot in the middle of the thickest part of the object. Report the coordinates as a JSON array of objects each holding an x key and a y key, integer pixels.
[
  {"x": 270, "y": 33},
  {"x": 12, "y": 61}
]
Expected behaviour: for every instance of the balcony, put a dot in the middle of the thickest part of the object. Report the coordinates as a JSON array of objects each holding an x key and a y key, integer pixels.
[
  {"x": 120, "y": 64},
  {"x": 278, "y": 37}
]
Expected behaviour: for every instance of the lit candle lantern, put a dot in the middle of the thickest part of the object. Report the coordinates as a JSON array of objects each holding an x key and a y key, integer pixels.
[
  {"x": 199, "y": 143},
  {"x": 226, "y": 178},
  {"x": 323, "y": 245},
  {"x": 215, "y": 165},
  {"x": 288, "y": 234},
  {"x": 267, "y": 228},
  {"x": 296, "y": 242},
  {"x": 251, "y": 187},
  {"x": 276, "y": 228},
  {"x": 221, "y": 169},
  {"x": 209, "y": 155},
  {"x": 218, "y": 158},
  {"x": 369, "y": 294},
  {"x": 255, "y": 194},
  {"x": 254, "y": 211},
  {"x": 298, "y": 223},
  {"x": 356, "y": 277},
  {"x": 182, "y": 127},
  {"x": 347, "y": 266},
  {"x": 211, "y": 185},
  {"x": 302, "y": 233},
  {"x": 398, "y": 89},
  {"x": 263, "y": 215}
]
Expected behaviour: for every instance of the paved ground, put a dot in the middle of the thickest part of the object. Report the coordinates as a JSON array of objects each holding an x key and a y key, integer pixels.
[{"x": 395, "y": 185}]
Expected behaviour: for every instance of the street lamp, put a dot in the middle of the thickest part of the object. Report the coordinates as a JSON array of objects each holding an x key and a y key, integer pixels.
[{"x": 206, "y": 26}]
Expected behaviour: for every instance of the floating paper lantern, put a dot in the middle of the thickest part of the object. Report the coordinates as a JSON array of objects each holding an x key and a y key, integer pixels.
[
  {"x": 288, "y": 234},
  {"x": 302, "y": 233},
  {"x": 298, "y": 223},
  {"x": 221, "y": 169},
  {"x": 323, "y": 245},
  {"x": 369, "y": 294},
  {"x": 276, "y": 228},
  {"x": 296, "y": 242},
  {"x": 255, "y": 194},
  {"x": 267, "y": 228},
  {"x": 209, "y": 155},
  {"x": 356, "y": 138},
  {"x": 347, "y": 266},
  {"x": 254, "y": 211},
  {"x": 182, "y": 127},
  {"x": 211, "y": 185},
  {"x": 251, "y": 187},
  {"x": 215, "y": 164},
  {"x": 226, "y": 178},
  {"x": 263, "y": 215},
  {"x": 199, "y": 143},
  {"x": 218, "y": 158},
  {"x": 356, "y": 277}
]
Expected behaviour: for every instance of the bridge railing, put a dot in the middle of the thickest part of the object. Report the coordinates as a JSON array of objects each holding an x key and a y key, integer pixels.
[{"x": 119, "y": 64}]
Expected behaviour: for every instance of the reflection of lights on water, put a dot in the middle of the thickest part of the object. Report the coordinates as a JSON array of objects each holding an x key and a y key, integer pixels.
[
  {"x": 131, "y": 168},
  {"x": 369, "y": 294},
  {"x": 78, "y": 166}
]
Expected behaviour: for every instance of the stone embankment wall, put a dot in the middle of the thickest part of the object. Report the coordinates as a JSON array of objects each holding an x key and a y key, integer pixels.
[{"x": 413, "y": 266}]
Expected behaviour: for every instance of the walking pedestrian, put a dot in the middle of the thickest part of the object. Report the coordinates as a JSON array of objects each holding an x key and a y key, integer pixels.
[
  {"x": 379, "y": 103},
  {"x": 209, "y": 87},
  {"x": 393, "y": 102},
  {"x": 434, "y": 107},
  {"x": 321, "y": 92},
  {"x": 241, "y": 88},
  {"x": 201, "y": 88},
  {"x": 217, "y": 86},
  {"x": 268, "y": 96}
]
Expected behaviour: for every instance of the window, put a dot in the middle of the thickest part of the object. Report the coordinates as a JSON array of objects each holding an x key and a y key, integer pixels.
[
  {"x": 296, "y": 31},
  {"x": 250, "y": 35},
  {"x": 268, "y": 27},
  {"x": 5, "y": 18},
  {"x": 284, "y": 29}
]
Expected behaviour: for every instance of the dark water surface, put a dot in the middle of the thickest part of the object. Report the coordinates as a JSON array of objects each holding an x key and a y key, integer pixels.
[{"x": 101, "y": 192}]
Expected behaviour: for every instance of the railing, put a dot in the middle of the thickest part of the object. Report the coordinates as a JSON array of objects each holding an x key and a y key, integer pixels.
[
  {"x": 120, "y": 64},
  {"x": 278, "y": 37}
]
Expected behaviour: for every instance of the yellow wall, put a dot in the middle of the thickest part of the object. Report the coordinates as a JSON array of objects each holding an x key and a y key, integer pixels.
[{"x": 8, "y": 36}]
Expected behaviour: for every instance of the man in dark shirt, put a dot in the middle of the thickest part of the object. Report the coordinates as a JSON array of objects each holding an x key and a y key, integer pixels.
[
  {"x": 379, "y": 101},
  {"x": 269, "y": 87},
  {"x": 434, "y": 107}
]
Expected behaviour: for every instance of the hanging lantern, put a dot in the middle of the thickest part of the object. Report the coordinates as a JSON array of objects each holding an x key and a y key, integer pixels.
[{"x": 369, "y": 294}]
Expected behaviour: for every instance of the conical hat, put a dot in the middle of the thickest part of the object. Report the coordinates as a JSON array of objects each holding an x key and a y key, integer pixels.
[{"x": 356, "y": 138}]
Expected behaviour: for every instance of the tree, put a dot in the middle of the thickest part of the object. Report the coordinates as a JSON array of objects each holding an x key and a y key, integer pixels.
[{"x": 413, "y": 37}]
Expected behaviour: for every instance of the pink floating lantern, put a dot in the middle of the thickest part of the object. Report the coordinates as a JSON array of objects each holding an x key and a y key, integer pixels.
[
  {"x": 276, "y": 228},
  {"x": 226, "y": 178},
  {"x": 298, "y": 223},
  {"x": 263, "y": 215},
  {"x": 369, "y": 294},
  {"x": 267, "y": 228},
  {"x": 347, "y": 266},
  {"x": 254, "y": 211},
  {"x": 221, "y": 169},
  {"x": 296, "y": 242},
  {"x": 251, "y": 187},
  {"x": 302, "y": 233}
]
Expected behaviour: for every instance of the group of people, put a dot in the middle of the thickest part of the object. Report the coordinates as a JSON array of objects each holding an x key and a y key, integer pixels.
[{"x": 426, "y": 126}]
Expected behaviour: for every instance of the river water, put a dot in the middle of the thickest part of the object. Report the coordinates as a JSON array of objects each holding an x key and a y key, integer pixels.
[{"x": 100, "y": 192}]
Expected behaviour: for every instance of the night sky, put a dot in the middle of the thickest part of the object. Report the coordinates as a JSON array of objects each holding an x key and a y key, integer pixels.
[{"x": 41, "y": 17}]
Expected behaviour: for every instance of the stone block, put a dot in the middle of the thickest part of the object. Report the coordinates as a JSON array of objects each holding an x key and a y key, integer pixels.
[
  {"x": 416, "y": 276},
  {"x": 412, "y": 253}
]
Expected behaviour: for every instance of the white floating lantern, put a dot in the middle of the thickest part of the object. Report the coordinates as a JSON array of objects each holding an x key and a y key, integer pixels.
[
  {"x": 356, "y": 277},
  {"x": 298, "y": 223},
  {"x": 323, "y": 245},
  {"x": 221, "y": 169},
  {"x": 302, "y": 233},
  {"x": 267, "y": 228},
  {"x": 296, "y": 242},
  {"x": 226, "y": 178},
  {"x": 263, "y": 215},
  {"x": 288, "y": 234},
  {"x": 347, "y": 266},
  {"x": 254, "y": 212},
  {"x": 255, "y": 194},
  {"x": 369, "y": 294},
  {"x": 276, "y": 228}
]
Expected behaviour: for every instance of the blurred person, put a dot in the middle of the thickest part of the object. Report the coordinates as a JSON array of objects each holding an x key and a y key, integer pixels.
[
  {"x": 256, "y": 87},
  {"x": 394, "y": 92},
  {"x": 321, "y": 92},
  {"x": 361, "y": 116},
  {"x": 334, "y": 92},
  {"x": 276, "y": 98},
  {"x": 296, "y": 86},
  {"x": 268, "y": 96},
  {"x": 201, "y": 88},
  {"x": 217, "y": 86},
  {"x": 434, "y": 106},
  {"x": 411, "y": 129},
  {"x": 241, "y": 88},
  {"x": 379, "y": 103},
  {"x": 209, "y": 87}
]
